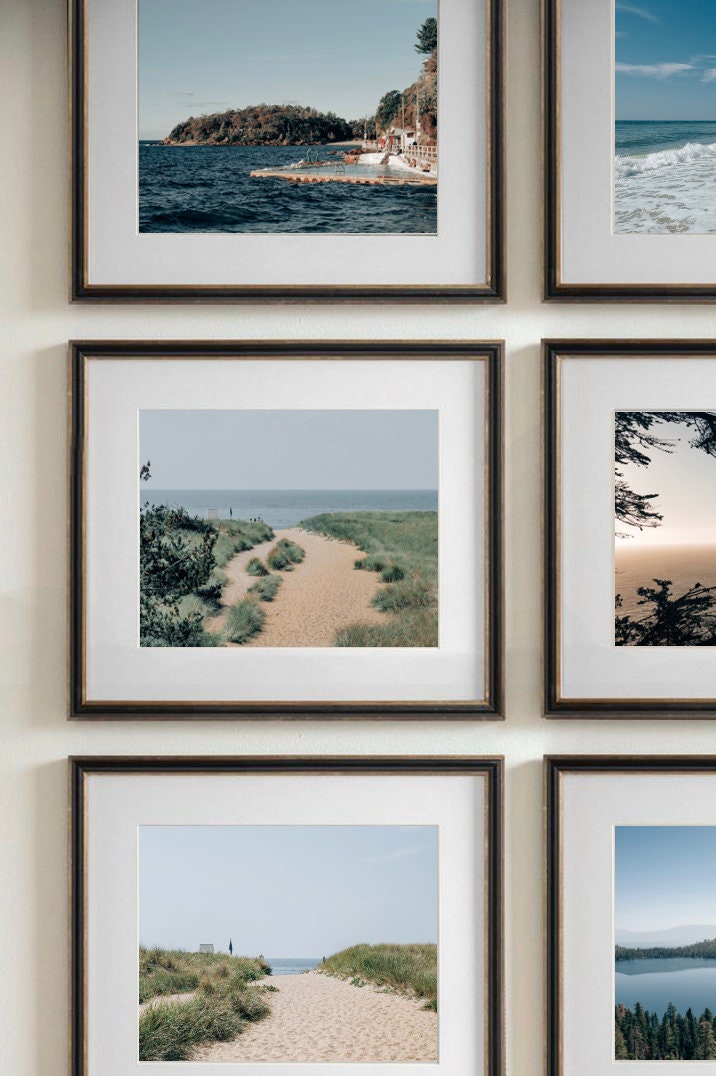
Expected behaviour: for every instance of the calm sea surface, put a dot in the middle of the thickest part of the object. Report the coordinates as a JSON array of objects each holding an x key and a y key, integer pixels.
[
  {"x": 209, "y": 189},
  {"x": 286, "y": 507},
  {"x": 292, "y": 965},
  {"x": 664, "y": 176},
  {"x": 686, "y": 983}
]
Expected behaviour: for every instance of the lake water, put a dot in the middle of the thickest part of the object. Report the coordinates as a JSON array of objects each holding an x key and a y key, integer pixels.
[
  {"x": 210, "y": 189},
  {"x": 664, "y": 174},
  {"x": 685, "y": 982},
  {"x": 292, "y": 965},
  {"x": 286, "y": 507}
]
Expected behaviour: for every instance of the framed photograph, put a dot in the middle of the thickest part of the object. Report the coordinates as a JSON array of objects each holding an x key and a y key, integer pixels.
[
  {"x": 286, "y": 529},
  {"x": 630, "y": 563},
  {"x": 242, "y": 928},
  {"x": 225, "y": 150},
  {"x": 632, "y": 934},
  {"x": 630, "y": 140}
]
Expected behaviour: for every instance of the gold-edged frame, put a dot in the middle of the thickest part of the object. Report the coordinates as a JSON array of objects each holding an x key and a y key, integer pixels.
[
  {"x": 492, "y": 290},
  {"x": 554, "y": 288},
  {"x": 555, "y": 703},
  {"x": 489, "y": 707},
  {"x": 555, "y": 767},
  {"x": 490, "y": 769}
]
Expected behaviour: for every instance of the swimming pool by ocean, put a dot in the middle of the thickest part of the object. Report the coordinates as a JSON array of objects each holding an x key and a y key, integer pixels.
[
  {"x": 286, "y": 507},
  {"x": 210, "y": 189},
  {"x": 665, "y": 176}
]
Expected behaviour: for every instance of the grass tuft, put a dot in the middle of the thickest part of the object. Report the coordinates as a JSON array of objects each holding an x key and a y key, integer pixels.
[
  {"x": 266, "y": 588},
  {"x": 284, "y": 555},
  {"x": 244, "y": 620},
  {"x": 256, "y": 567}
]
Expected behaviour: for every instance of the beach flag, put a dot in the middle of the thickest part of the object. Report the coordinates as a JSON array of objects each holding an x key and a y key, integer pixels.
[{"x": 231, "y": 948}]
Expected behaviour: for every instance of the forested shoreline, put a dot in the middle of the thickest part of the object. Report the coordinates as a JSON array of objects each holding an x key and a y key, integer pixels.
[
  {"x": 705, "y": 949},
  {"x": 639, "y": 1035}
]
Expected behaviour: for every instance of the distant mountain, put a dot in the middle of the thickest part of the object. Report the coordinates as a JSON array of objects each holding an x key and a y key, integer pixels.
[{"x": 684, "y": 935}]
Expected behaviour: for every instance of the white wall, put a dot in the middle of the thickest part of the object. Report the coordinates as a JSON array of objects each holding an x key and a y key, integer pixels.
[{"x": 35, "y": 322}]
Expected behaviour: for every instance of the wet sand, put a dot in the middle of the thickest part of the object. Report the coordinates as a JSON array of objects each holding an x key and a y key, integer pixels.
[
  {"x": 322, "y": 594},
  {"x": 637, "y": 566},
  {"x": 318, "y": 1018}
]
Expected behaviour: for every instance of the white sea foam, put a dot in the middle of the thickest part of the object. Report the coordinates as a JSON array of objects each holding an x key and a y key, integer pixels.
[{"x": 671, "y": 190}]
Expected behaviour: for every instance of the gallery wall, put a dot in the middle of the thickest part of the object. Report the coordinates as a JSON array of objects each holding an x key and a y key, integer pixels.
[{"x": 36, "y": 320}]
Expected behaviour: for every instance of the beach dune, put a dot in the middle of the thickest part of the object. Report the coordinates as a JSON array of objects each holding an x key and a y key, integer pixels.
[
  {"x": 316, "y": 1018},
  {"x": 638, "y": 565}
]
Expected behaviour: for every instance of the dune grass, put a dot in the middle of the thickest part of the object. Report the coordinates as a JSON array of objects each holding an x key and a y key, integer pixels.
[
  {"x": 403, "y": 548},
  {"x": 266, "y": 588},
  {"x": 284, "y": 555},
  {"x": 407, "y": 969},
  {"x": 243, "y": 620},
  {"x": 236, "y": 536},
  {"x": 256, "y": 567},
  {"x": 221, "y": 1000}
]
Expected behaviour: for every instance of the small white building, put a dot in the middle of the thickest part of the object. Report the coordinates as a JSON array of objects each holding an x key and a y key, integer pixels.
[{"x": 206, "y": 948}]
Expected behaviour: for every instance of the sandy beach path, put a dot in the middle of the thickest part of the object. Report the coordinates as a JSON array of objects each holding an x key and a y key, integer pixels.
[
  {"x": 317, "y": 1018},
  {"x": 322, "y": 594},
  {"x": 170, "y": 999}
]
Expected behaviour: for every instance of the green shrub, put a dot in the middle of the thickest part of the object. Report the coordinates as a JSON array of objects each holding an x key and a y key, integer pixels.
[
  {"x": 392, "y": 573},
  {"x": 244, "y": 620}
]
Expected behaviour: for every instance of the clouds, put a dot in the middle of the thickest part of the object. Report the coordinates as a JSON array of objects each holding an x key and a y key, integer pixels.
[
  {"x": 660, "y": 71},
  {"x": 640, "y": 12}
]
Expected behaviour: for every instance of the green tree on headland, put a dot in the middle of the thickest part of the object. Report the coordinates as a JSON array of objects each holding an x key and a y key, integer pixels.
[
  {"x": 427, "y": 37},
  {"x": 388, "y": 108}
]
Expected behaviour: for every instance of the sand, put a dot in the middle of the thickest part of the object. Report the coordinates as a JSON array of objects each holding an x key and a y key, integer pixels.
[
  {"x": 318, "y": 1018},
  {"x": 322, "y": 594},
  {"x": 637, "y": 565}
]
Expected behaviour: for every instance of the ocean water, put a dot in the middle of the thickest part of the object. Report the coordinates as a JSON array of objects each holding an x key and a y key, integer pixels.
[
  {"x": 209, "y": 189},
  {"x": 665, "y": 176},
  {"x": 637, "y": 566},
  {"x": 685, "y": 983},
  {"x": 286, "y": 507},
  {"x": 292, "y": 965}
]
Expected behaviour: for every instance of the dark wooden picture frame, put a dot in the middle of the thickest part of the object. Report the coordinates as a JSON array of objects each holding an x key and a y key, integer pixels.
[
  {"x": 493, "y": 290},
  {"x": 554, "y": 286},
  {"x": 555, "y": 766},
  {"x": 555, "y": 704},
  {"x": 491, "y": 769},
  {"x": 488, "y": 708}
]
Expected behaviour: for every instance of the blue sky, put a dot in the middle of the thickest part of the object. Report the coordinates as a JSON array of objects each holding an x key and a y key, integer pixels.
[
  {"x": 234, "y": 449},
  {"x": 199, "y": 56},
  {"x": 665, "y": 876},
  {"x": 666, "y": 60},
  {"x": 287, "y": 891}
]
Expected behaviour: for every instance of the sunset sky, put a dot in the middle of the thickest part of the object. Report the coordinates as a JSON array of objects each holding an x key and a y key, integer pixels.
[{"x": 685, "y": 481}]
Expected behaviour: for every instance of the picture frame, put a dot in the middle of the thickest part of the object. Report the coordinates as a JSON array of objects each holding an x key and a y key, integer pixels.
[
  {"x": 462, "y": 797},
  {"x": 603, "y": 814},
  {"x": 609, "y": 231},
  {"x": 608, "y": 533},
  {"x": 118, "y": 387},
  {"x": 463, "y": 261}
]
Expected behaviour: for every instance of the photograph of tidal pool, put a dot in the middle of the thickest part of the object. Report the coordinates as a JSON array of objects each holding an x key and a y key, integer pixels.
[
  {"x": 665, "y": 943},
  {"x": 288, "y": 943},
  {"x": 288, "y": 528},
  {"x": 286, "y": 117}
]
